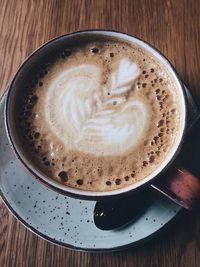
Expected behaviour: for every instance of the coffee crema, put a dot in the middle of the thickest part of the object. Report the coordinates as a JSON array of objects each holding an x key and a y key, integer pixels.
[{"x": 102, "y": 116}]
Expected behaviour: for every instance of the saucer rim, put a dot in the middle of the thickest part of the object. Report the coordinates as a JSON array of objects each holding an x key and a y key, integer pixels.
[{"x": 85, "y": 249}]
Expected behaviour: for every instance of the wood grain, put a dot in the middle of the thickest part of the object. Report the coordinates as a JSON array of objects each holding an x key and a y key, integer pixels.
[{"x": 173, "y": 26}]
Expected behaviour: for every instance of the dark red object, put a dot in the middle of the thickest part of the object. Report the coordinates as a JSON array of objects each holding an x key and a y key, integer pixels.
[{"x": 180, "y": 186}]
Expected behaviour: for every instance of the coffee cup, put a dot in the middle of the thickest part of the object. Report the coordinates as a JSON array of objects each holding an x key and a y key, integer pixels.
[{"x": 98, "y": 114}]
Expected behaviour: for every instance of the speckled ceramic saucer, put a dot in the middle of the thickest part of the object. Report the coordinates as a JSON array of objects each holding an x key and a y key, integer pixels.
[{"x": 66, "y": 221}]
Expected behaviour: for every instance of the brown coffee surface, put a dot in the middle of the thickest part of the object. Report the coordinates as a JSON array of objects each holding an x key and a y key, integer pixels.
[{"x": 103, "y": 116}]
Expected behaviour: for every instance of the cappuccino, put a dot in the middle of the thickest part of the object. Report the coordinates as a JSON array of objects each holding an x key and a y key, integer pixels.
[{"x": 102, "y": 115}]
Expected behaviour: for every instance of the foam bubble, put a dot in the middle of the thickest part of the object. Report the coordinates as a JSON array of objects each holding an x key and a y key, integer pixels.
[
  {"x": 126, "y": 178},
  {"x": 79, "y": 182},
  {"x": 144, "y": 163},
  {"x": 160, "y": 123},
  {"x": 151, "y": 159},
  {"x": 63, "y": 176},
  {"x": 94, "y": 50},
  {"x": 118, "y": 181},
  {"x": 36, "y": 135}
]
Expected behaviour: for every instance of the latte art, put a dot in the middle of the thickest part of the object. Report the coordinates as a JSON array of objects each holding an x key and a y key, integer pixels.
[
  {"x": 81, "y": 115},
  {"x": 103, "y": 116}
]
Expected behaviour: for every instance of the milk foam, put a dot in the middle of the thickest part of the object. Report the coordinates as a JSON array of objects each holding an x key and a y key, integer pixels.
[
  {"x": 101, "y": 118},
  {"x": 81, "y": 116}
]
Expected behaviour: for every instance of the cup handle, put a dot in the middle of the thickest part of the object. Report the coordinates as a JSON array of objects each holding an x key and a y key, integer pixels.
[{"x": 180, "y": 186}]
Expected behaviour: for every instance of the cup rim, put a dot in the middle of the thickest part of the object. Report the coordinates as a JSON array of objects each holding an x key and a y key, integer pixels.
[{"x": 78, "y": 193}]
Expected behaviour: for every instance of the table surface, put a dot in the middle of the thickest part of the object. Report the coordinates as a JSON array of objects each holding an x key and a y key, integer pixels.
[{"x": 172, "y": 26}]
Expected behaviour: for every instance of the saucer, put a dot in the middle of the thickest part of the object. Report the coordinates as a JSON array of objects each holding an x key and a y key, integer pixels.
[{"x": 67, "y": 221}]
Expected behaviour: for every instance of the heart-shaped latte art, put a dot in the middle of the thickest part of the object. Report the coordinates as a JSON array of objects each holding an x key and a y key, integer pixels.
[{"x": 85, "y": 117}]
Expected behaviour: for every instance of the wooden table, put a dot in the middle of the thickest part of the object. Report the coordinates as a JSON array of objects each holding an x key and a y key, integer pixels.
[{"x": 173, "y": 26}]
